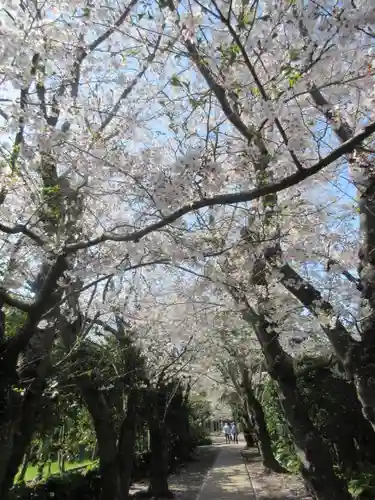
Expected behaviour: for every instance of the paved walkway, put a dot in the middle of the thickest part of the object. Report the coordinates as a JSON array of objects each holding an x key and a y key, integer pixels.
[
  {"x": 228, "y": 479},
  {"x": 220, "y": 473}
]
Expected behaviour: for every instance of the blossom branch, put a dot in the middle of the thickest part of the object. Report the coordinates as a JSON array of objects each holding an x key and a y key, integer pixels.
[
  {"x": 229, "y": 198},
  {"x": 20, "y": 228}
]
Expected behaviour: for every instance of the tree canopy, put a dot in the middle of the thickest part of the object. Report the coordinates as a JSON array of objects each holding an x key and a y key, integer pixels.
[{"x": 186, "y": 192}]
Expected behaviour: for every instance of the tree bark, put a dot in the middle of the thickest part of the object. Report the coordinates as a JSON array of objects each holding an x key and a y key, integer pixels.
[
  {"x": 101, "y": 416},
  {"x": 6, "y": 436},
  {"x": 358, "y": 358},
  {"x": 25, "y": 415},
  {"x": 126, "y": 444},
  {"x": 9, "y": 400},
  {"x": 184, "y": 435},
  {"x": 363, "y": 355},
  {"x": 159, "y": 447},
  {"x": 107, "y": 447},
  {"x": 316, "y": 464},
  {"x": 159, "y": 461},
  {"x": 23, "y": 436},
  {"x": 249, "y": 440},
  {"x": 247, "y": 427},
  {"x": 254, "y": 407}
]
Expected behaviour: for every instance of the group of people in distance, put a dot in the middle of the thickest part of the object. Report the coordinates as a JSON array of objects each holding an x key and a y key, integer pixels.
[{"x": 230, "y": 432}]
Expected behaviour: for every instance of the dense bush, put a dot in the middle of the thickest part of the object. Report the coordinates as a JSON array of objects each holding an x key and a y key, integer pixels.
[{"x": 203, "y": 441}]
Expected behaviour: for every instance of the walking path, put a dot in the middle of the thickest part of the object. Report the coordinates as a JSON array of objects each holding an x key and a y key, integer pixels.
[
  {"x": 232, "y": 478},
  {"x": 220, "y": 473},
  {"x": 228, "y": 479}
]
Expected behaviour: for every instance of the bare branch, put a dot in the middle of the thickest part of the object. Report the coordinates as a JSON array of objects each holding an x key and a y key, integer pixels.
[
  {"x": 19, "y": 228},
  {"x": 102, "y": 38},
  {"x": 344, "y": 272},
  {"x": 10, "y": 300},
  {"x": 131, "y": 86},
  {"x": 257, "y": 81}
]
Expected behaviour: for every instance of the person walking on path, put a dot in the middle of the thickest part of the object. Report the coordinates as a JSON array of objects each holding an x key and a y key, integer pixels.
[
  {"x": 226, "y": 431},
  {"x": 234, "y": 432}
]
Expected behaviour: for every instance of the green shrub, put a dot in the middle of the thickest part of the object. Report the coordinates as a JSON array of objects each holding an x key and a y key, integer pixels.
[
  {"x": 282, "y": 442},
  {"x": 203, "y": 441},
  {"x": 362, "y": 485}
]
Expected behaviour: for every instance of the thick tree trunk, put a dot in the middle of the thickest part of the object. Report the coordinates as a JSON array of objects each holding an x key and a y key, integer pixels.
[
  {"x": 184, "y": 436},
  {"x": 317, "y": 467},
  {"x": 102, "y": 419},
  {"x": 316, "y": 464},
  {"x": 26, "y": 412},
  {"x": 249, "y": 440},
  {"x": 358, "y": 358},
  {"x": 126, "y": 444},
  {"x": 107, "y": 446},
  {"x": 22, "y": 438},
  {"x": 247, "y": 427},
  {"x": 260, "y": 427},
  {"x": 6, "y": 443},
  {"x": 159, "y": 461},
  {"x": 362, "y": 366},
  {"x": 10, "y": 403}
]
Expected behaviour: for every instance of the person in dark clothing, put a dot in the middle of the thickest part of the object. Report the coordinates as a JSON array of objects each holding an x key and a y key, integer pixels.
[{"x": 234, "y": 432}]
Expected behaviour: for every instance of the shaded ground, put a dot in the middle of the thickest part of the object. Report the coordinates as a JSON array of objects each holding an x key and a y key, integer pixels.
[
  {"x": 228, "y": 479},
  {"x": 187, "y": 483},
  {"x": 271, "y": 486},
  {"x": 220, "y": 473}
]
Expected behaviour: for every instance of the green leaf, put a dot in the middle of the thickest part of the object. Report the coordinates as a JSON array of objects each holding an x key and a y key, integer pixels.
[
  {"x": 245, "y": 19},
  {"x": 175, "y": 81},
  {"x": 194, "y": 102},
  {"x": 234, "y": 49},
  {"x": 49, "y": 190},
  {"x": 294, "y": 54},
  {"x": 294, "y": 76}
]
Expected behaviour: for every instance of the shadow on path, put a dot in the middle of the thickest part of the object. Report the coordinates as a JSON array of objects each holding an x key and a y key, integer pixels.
[
  {"x": 272, "y": 486},
  {"x": 220, "y": 473},
  {"x": 187, "y": 482},
  {"x": 228, "y": 478}
]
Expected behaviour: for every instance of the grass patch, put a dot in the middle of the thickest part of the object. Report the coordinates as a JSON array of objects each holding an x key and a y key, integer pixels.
[{"x": 32, "y": 470}]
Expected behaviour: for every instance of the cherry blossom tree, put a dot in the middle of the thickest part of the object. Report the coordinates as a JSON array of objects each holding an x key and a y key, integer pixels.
[{"x": 199, "y": 134}]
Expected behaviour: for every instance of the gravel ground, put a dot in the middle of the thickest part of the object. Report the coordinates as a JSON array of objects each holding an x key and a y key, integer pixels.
[{"x": 188, "y": 481}]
